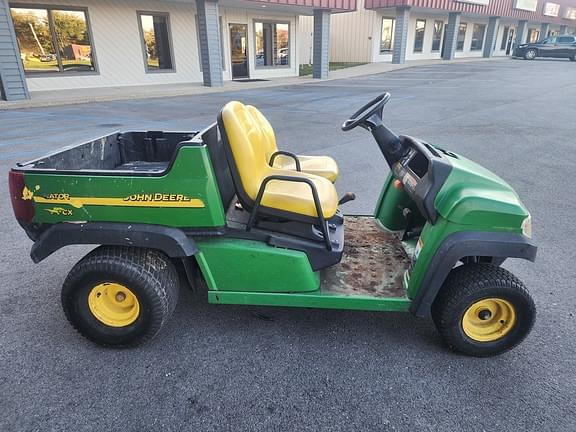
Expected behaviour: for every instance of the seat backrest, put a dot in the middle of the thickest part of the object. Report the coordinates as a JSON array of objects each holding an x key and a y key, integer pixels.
[
  {"x": 211, "y": 138},
  {"x": 270, "y": 138},
  {"x": 248, "y": 143}
]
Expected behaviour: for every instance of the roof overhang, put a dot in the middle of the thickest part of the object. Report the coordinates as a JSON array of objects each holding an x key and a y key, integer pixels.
[{"x": 299, "y": 7}]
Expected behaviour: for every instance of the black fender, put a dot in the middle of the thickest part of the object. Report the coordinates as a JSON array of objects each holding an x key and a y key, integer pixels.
[
  {"x": 457, "y": 246},
  {"x": 172, "y": 241}
]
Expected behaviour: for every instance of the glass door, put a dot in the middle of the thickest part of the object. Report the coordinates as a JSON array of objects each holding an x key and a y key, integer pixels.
[{"x": 239, "y": 50}]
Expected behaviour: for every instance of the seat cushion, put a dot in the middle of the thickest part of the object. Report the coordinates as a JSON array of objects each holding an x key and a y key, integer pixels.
[
  {"x": 297, "y": 197},
  {"x": 323, "y": 166}
]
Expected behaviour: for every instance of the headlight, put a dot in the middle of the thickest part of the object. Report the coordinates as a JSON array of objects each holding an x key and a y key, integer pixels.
[{"x": 527, "y": 227}]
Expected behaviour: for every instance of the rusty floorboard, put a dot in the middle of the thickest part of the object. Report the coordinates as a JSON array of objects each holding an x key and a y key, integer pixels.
[{"x": 373, "y": 262}]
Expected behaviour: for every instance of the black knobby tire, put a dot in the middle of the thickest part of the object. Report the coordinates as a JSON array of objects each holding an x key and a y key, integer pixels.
[
  {"x": 148, "y": 274},
  {"x": 470, "y": 283}
]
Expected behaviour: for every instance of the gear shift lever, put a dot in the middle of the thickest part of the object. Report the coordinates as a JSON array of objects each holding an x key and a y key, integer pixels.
[{"x": 348, "y": 196}]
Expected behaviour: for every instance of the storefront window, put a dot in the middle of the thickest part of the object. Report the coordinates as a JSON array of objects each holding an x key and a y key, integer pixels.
[
  {"x": 477, "y": 37},
  {"x": 461, "y": 37},
  {"x": 419, "y": 35},
  {"x": 387, "y": 37},
  {"x": 437, "y": 37},
  {"x": 272, "y": 44},
  {"x": 156, "y": 42},
  {"x": 504, "y": 38},
  {"x": 533, "y": 35},
  {"x": 38, "y": 29}
]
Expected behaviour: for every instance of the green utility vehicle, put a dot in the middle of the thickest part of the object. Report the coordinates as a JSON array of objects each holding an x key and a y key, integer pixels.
[{"x": 225, "y": 209}]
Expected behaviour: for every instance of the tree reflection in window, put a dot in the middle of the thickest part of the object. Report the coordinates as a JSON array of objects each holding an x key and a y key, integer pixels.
[
  {"x": 156, "y": 42},
  {"x": 36, "y": 29}
]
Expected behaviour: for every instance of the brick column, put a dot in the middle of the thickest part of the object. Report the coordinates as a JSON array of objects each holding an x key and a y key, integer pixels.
[
  {"x": 209, "y": 32},
  {"x": 12, "y": 79},
  {"x": 544, "y": 28},
  {"x": 321, "y": 44},
  {"x": 521, "y": 32},
  {"x": 451, "y": 36},
  {"x": 491, "y": 36},
  {"x": 400, "y": 35},
  {"x": 563, "y": 29}
]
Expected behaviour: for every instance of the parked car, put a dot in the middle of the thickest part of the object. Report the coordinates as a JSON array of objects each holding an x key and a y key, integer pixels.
[{"x": 556, "y": 46}]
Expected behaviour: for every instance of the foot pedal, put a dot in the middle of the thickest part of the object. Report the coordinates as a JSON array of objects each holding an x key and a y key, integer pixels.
[{"x": 348, "y": 196}]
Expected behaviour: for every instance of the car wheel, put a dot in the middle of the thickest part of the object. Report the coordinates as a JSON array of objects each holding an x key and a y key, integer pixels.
[
  {"x": 530, "y": 54},
  {"x": 573, "y": 58},
  {"x": 120, "y": 296}
]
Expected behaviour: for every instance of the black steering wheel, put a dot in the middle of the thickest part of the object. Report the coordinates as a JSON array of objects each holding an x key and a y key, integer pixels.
[{"x": 372, "y": 108}]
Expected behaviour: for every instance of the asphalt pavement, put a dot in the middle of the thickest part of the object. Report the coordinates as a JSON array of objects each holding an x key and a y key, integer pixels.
[{"x": 236, "y": 368}]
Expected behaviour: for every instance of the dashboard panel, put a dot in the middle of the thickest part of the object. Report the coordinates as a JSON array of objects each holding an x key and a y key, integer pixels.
[{"x": 423, "y": 169}]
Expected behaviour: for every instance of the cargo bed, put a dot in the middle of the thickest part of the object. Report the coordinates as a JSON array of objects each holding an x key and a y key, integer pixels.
[{"x": 137, "y": 151}]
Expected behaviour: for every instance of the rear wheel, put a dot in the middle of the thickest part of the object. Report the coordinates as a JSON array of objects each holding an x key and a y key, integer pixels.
[
  {"x": 483, "y": 310},
  {"x": 120, "y": 296},
  {"x": 530, "y": 54},
  {"x": 573, "y": 57}
]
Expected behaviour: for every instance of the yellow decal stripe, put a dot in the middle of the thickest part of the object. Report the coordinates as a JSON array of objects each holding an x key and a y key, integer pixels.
[{"x": 120, "y": 202}]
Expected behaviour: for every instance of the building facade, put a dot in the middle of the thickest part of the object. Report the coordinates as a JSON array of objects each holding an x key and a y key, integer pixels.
[
  {"x": 73, "y": 44},
  {"x": 400, "y": 30}
]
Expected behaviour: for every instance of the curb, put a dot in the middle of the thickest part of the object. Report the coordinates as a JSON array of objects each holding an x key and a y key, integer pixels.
[{"x": 231, "y": 86}]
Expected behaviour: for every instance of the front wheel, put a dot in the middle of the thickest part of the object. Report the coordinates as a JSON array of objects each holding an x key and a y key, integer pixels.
[
  {"x": 573, "y": 57},
  {"x": 120, "y": 296},
  {"x": 530, "y": 54},
  {"x": 483, "y": 310}
]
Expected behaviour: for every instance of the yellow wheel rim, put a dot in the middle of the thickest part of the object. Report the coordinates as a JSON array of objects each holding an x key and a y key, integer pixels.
[
  {"x": 489, "y": 320},
  {"x": 113, "y": 304}
]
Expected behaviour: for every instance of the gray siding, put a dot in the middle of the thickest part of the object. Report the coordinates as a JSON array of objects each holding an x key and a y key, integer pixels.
[
  {"x": 544, "y": 29},
  {"x": 401, "y": 35},
  {"x": 320, "y": 63},
  {"x": 209, "y": 32},
  {"x": 451, "y": 35},
  {"x": 12, "y": 78},
  {"x": 491, "y": 35},
  {"x": 521, "y": 30}
]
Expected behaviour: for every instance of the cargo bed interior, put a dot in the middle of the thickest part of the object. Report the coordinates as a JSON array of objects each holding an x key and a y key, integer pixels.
[{"x": 126, "y": 151}]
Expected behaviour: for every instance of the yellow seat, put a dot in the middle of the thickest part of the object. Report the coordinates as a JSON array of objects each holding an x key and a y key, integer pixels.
[
  {"x": 323, "y": 166},
  {"x": 247, "y": 141}
]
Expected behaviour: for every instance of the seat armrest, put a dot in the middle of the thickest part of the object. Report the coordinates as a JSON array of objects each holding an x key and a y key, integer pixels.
[
  {"x": 285, "y": 153},
  {"x": 294, "y": 179}
]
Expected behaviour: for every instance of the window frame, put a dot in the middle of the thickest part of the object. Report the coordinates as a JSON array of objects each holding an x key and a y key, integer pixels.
[
  {"x": 421, "y": 50},
  {"x": 288, "y": 65},
  {"x": 53, "y": 36},
  {"x": 147, "y": 70},
  {"x": 474, "y": 26},
  {"x": 465, "y": 25},
  {"x": 441, "y": 36},
  {"x": 391, "y": 50}
]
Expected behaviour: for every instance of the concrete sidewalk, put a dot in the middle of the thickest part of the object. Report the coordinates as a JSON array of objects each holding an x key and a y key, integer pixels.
[{"x": 104, "y": 94}]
